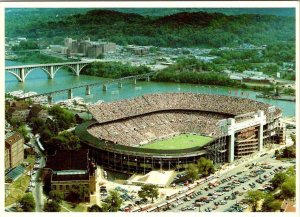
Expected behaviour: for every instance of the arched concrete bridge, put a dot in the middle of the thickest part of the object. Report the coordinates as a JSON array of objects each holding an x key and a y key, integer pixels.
[{"x": 21, "y": 72}]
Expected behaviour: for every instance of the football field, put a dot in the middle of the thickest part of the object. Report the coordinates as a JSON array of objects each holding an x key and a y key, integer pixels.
[{"x": 182, "y": 141}]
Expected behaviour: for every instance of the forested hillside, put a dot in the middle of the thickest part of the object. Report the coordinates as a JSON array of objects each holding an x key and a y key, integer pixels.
[{"x": 184, "y": 29}]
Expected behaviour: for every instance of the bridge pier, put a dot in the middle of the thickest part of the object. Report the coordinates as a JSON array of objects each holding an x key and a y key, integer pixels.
[
  {"x": 51, "y": 72},
  {"x": 50, "y": 99},
  {"x": 22, "y": 74},
  {"x": 120, "y": 85},
  {"x": 70, "y": 94},
  {"x": 134, "y": 81},
  {"x": 104, "y": 88},
  {"x": 148, "y": 78},
  {"x": 77, "y": 69},
  {"x": 88, "y": 90}
]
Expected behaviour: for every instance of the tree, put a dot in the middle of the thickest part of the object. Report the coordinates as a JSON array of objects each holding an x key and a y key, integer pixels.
[
  {"x": 277, "y": 154},
  {"x": 290, "y": 171},
  {"x": 25, "y": 45},
  {"x": 62, "y": 117},
  {"x": 95, "y": 208},
  {"x": 37, "y": 124},
  {"x": 16, "y": 122},
  {"x": 192, "y": 172},
  {"x": 289, "y": 152},
  {"x": 113, "y": 202},
  {"x": 270, "y": 204},
  {"x": 24, "y": 132},
  {"x": 27, "y": 203},
  {"x": 278, "y": 180},
  {"x": 46, "y": 134},
  {"x": 56, "y": 196},
  {"x": 293, "y": 137},
  {"x": 205, "y": 166},
  {"x": 66, "y": 141},
  {"x": 288, "y": 188},
  {"x": 148, "y": 191},
  {"x": 52, "y": 206},
  {"x": 253, "y": 197},
  {"x": 77, "y": 193}
]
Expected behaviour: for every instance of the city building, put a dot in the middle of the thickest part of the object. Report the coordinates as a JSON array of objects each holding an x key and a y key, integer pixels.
[
  {"x": 86, "y": 47},
  {"x": 19, "y": 110},
  {"x": 58, "y": 49},
  {"x": 67, "y": 168},
  {"x": 138, "y": 50},
  {"x": 14, "y": 149},
  {"x": 36, "y": 111}
]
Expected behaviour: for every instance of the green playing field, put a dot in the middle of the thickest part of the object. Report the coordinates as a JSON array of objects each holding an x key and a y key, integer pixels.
[{"x": 182, "y": 141}]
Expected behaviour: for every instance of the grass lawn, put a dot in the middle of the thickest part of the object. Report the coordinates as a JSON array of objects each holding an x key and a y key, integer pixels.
[
  {"x": 182, "y": 141},
  {"x": 17, "y": 189},
  {"x": 30, "y": 159},
  {"x": 68, "y": 207}
]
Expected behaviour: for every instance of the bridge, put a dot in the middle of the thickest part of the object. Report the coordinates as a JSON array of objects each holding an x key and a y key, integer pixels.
[
  {"x": 88, "y": 87},
  {"x": 21, "y": 72},
  {"x": 133, "y": 78}
]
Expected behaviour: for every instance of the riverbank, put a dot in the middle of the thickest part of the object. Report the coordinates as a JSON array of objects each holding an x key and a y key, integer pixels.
[{"x": 281, "y": 97}]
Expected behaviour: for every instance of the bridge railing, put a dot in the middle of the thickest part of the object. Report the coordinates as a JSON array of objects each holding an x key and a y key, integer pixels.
[
  {"x": 140, "y": 76},
  {"x": 47, "y": 64}
]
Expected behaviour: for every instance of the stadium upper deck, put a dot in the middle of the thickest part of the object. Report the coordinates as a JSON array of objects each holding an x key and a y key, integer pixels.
[{"x": 222, "y": 104}]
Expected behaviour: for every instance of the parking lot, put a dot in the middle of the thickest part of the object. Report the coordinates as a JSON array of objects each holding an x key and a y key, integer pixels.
[{"x": 230, "y": 191}]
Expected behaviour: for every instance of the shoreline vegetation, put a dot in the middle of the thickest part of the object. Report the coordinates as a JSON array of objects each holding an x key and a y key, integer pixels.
[{"x": 35, "y": 57}]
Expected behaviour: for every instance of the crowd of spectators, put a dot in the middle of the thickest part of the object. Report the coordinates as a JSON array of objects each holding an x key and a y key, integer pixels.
[
  {"x": 171, "y": 101},
  {"x": 138, "y": 121},
  {"x": 139, "y": 130}
]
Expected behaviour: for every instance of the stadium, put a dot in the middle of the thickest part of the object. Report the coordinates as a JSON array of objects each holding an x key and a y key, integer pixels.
[{"x": 170, "y": 130}]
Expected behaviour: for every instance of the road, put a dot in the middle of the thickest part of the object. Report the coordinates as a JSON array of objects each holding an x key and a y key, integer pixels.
[{"x": 38, "y": 189}]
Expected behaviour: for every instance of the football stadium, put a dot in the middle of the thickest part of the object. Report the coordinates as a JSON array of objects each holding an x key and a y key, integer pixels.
[{"x": 170, "y": 130}]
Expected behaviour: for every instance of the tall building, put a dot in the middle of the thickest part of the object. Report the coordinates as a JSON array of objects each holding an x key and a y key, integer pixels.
[
  {"x": 14, "y": 149},
  {"x": 94, "y": 51},
  {"x": 89, "y": 48}
]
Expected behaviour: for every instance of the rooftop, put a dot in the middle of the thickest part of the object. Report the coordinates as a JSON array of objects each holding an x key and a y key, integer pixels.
[
  {"x": 12, "y": 137},
  {"x": 56, "y": 177},
  {"x": 68, "y": 160}
]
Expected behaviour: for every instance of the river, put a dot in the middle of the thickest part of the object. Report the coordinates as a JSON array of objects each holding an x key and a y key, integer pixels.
[{"x": 38, "y": 81}]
